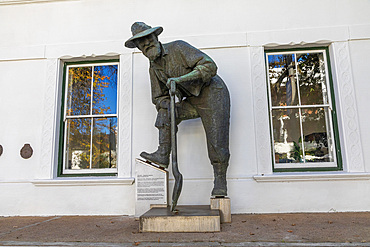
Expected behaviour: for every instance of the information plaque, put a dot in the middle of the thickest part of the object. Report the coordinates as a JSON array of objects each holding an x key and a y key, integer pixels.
[{"x": 151, "y": 187}]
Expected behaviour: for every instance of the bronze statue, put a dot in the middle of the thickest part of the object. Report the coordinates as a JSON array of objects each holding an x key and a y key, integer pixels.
[{"x": 201, "y": 92}]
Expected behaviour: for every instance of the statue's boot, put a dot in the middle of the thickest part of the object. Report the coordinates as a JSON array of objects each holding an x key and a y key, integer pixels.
[
  {"x": 161, "y": 157},
  {"x": 220, "y": 183}
]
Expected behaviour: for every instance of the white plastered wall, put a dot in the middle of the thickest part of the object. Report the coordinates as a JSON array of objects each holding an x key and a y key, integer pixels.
[{"x": 32, "y": 49}]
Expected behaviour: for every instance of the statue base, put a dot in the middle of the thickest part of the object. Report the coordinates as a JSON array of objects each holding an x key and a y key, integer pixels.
[
  {"x": 184, "y": 219},
  {"x": 223, "y": 204}
]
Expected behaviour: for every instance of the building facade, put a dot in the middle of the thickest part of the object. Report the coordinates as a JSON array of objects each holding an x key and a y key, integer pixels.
[{"x": 297, "y": 73}]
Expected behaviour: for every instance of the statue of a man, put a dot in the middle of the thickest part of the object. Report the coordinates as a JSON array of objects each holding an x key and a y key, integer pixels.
[{"x": 202, "y": 94}]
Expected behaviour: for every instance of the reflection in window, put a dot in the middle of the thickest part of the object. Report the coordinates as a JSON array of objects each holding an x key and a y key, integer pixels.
[
  {"x": 104, "y": 143},
  {"x": 300, "y": 109},
  {"x": 90, "y": 118},
  {"x": 78, "y": 143},
  {"x": 282, "y": 74},
  {"x": 287, "y": 136},
  {"x": 105, "y": 90},
  {"x": 79, "y": 91}
]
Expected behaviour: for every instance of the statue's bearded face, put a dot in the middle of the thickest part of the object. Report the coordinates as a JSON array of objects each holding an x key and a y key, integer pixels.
[{"x": 150, "y": 46}]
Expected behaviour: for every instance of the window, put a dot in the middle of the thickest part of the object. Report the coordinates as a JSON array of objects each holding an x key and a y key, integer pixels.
[
  {"x": 302, "y": 111},
  {"x": 88, "y": 143}
]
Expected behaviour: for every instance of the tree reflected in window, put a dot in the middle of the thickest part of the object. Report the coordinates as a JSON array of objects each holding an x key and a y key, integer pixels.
[{"x": 79, "y": 91}]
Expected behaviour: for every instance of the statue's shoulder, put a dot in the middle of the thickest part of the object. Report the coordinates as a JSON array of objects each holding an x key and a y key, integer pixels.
[{"x": 177, "y": 44}]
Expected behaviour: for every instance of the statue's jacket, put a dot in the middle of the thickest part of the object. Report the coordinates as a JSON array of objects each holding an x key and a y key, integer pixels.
[
  {"x": 206, "y": 97},
  {"x": 179, "y": 58}
]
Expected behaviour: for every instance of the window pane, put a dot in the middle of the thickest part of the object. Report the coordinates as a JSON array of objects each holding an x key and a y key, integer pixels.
[
  {"x": 282, "y": 78},
  {"x": 104, "y": 144},
  {"x": 287, "y": 135},
  {"x": 105, "y": 89},
  {"x": 79, "y": 91},
  {"x": 78, "y": 143},
  {"x": 312, "y": 79},
  {"x": 317, "y": 138}
]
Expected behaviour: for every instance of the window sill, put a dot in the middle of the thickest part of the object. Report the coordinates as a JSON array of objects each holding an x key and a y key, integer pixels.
[
  {"x": 83, "y": 182},
  {"x": 299, "y": 177}
]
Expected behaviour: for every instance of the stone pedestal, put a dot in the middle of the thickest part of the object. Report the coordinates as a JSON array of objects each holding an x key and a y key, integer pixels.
[
  {"x": 186, "y": 219},
  {"x": 224, "y": 205},
  {"x": 151, "y": 187}
]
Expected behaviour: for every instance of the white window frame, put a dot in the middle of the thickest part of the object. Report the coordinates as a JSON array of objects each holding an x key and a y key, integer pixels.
[
  {"x": 112, "y": 171},
  {"x": 329, "y": 106}
]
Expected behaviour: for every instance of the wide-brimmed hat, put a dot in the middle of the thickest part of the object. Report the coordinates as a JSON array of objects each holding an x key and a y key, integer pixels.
[{"x": 139, "y": 30}]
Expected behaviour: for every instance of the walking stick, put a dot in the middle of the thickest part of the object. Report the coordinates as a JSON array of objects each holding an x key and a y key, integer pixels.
[{"x": 175, "y": 168}]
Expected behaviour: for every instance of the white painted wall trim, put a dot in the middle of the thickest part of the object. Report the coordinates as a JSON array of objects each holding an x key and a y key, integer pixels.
[
  {"x": 125, "y": 117},
  {"x": 9, "y": 2},
  {"x": 22, "y": 53},
  {"x": 260, "y": 111},
  {"x": 359, "y": 32},
  {"x": 88, "y": 49},
  {"x": 303, "y": 36},
  {"x": 83, "y": 182},
  {"x": 312, "y": 177},
  {"x": 272, "y": 38},
  {"x": 349, "y": 128},
  {"x": 321, "y": 35},
  {"x": 210, "y": 41},
  {"x": 49, "y": 127}
]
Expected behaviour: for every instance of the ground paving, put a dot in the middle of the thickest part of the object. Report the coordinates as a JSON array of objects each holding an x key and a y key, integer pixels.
[{"x": 312, "y": 229}]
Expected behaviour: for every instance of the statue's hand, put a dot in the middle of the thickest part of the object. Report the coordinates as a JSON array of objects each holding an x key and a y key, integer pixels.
[
  {"x": 174, "y": 90},
  {"x": 175, "y": 79}
]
